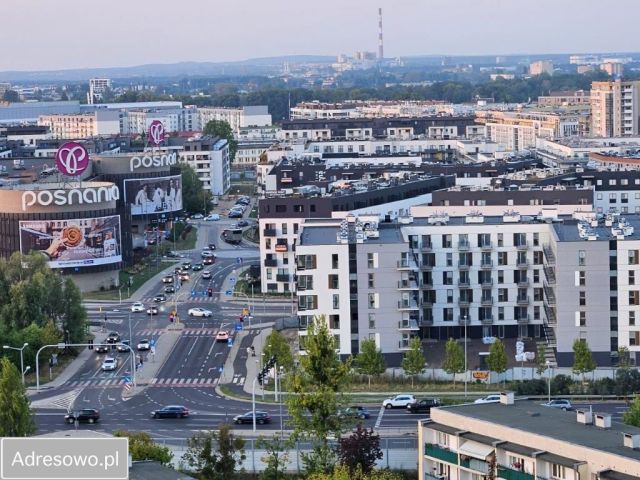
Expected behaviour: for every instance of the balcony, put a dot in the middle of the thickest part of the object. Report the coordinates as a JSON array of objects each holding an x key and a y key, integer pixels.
[
  {"x": 440, "y": 453},
  {"x": 486, "y": 282},
  {"x": 486, "y": 301},
  {"x": 464, "y": 282},
  {"x": 282, "y": 277},
  {"x": 462, "y": 320},
  {"x": 523, "y": 319},
  {"x": 426, "y": 322},
  {"x": 426, "y": 266},
  {"x": 523, "y": 282},
  {"x": 464, "y": 246},
  {"x": 426, "y": 283},
  {"x": 522, "y": 300},
  {"x": 270, "y": 262},
  {"x": 510, "y": 474},
  {"x": 426, "y": 247},
  {"x": 522, "y": 246},
  {"x": 269, "y": 232},
  {"x": 411, "y": 304},
  {"x": 281, "y": 247},
  {"x": 522, "y": 263},
  {"x": 486, "y": 264},
  {"x": 486, "y": 246},
  {"x": 487, "y": 320},
  {"x": 464, "y": 265},
  {"x": 411, "y": 325},
  {"x": 464, "y": 301},
  {"x": 408, "y": 284},
  {"x": 407, "y": 264}
]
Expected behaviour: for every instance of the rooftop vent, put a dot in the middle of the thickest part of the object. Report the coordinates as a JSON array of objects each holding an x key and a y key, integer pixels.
[
  {"x": 584, "y": 416},
  {"x": 631, "y": 440},
  {"x": 603, "y": 420}
]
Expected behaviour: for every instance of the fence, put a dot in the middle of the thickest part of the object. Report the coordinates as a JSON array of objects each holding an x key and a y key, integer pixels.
[{"x": 398, "y": 453}]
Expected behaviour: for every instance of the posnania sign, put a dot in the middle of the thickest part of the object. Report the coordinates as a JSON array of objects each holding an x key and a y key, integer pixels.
[
  {"x": 156, "y": 132},
  {"x": 72, "y": 159},
  {"x": 148, "y": 161},
  {"x": 74, "y": 196}
]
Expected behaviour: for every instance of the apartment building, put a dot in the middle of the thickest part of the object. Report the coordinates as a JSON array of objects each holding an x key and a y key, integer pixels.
[
  {"x": 209, "y": 157},
  {"x": 97, "y": 88},
  {"x": 522, "y": 440},
  {"x": 174, "y": 120},
  {"x": 615, "y": 108},
  {"x": 559, "y": 99},
  {"x": 248, "y": 116},
  {"x": 249, "y": 153},
  {"x": 79, "y": 126},
  {"x": 541, "y": 67}
]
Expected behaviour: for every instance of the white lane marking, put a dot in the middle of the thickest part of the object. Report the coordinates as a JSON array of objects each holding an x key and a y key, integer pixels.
[{"x": 379, "y": 419}]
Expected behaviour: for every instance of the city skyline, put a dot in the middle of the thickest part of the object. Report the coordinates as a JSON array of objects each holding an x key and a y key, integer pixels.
[{"x": 145, "y": 34}]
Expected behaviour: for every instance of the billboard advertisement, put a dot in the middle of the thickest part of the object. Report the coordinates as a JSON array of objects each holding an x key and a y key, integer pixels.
[
  {"x": 153, "y": 195},
  {"x": 81, "y": 242}
]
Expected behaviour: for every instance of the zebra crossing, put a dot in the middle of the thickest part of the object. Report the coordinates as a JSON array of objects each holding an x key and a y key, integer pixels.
[
  {"x": 155, "y": 382},
  {"x": 62, "y": 402},
  {"x": 154, "y": 332}
]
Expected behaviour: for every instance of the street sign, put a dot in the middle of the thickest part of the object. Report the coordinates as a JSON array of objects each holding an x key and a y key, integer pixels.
[
  {"x": 229, "y": 293},
  {"x": 152, "y": 342},
  {"x": 232, "y": 280},
  {"x": 239, "y": 260},
  {"x": 220, "y": 370},
  {"x": 230, "y": 342},
  {"x": 153, "y": 349},
  {"x": 238, "y": 327}
]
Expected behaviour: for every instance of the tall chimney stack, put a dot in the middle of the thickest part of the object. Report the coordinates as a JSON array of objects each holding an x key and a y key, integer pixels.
[{"x": 380, "y": 44}]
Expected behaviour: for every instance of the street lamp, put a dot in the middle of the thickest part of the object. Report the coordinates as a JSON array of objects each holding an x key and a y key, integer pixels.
[
  {"x": 548, "y": 364},
  {"x": 464, "y": 318},
  {"x": 22, "y": 370}
]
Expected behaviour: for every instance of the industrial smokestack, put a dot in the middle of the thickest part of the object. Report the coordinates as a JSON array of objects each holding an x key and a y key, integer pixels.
[{"x": 380, "y": 43}]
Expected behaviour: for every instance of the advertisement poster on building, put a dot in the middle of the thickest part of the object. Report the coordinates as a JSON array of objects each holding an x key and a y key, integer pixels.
[
  {"x": 154, "y": 195},
  {"x": 79, "y": 242}
]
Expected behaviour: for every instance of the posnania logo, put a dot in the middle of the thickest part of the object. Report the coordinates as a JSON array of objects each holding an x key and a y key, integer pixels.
[
  {"x": 74, "y": 196},
  {"x": 156, "y": 132},
  {"x": 72, "y": 159},
  {"x": 147, "y": 161}
]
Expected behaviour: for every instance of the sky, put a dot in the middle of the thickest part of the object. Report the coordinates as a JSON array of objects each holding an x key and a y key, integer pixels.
[{"x": 62, "y": 34}]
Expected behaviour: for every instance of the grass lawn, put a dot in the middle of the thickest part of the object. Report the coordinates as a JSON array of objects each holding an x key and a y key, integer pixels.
[
  {"x": 63, "y": 361},
  {"x": 253, "y": 213},
  {"x": 188, "y": 243},
  {"x": 139, "y": 279},
  {"x": 251, "y": 235},
  {"x": 242, "y": 188}
]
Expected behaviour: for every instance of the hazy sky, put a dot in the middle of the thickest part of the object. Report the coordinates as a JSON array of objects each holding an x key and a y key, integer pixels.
[{"x": 57, "y": 34}]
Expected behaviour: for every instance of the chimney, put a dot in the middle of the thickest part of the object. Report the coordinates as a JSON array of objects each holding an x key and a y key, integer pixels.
[
  {"x": 603, "y": 420},
  {"x": 507, "y": 398},
  {"x": 380, "y": 43},
  {"x": 584, "y": 416},
  {"x": 631, "y": 440}
]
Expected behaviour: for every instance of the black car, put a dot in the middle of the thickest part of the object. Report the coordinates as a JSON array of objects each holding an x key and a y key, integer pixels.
[
  {"x": 186, "y": 265},
  {"x": 101, "y": 348},
  {"x": 261, "y": 418},
  {"x": 235, "y": 214},
  {"x": 209, "y": 260},
  {"x": 197, "y": 267},
  {"x": 114, "y": 337},
  {"x": 423, "y": 406},
  {"x": 161, "y": 297},
  {"x": 212, "y": 246},
  {"x": 242, "y": 223},
  {"x": 356, "y": 411},
  {"x": 86, "y": 415},
  {"x": 177, "y": 270},
  {"x": 171, "y": 411},
  {"x": 170, "y": 289},
  {"x": 124, "y": 347}
]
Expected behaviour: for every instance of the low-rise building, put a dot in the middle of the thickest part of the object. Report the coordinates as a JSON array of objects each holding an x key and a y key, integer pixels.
[
  {"x": 209, "y": 157},
  {"x": 80, "y": 126}
]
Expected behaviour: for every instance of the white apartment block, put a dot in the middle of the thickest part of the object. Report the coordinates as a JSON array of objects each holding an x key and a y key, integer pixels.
[
  {"x": 174, "y": 120},
  {"x": 209, "y": 157},
  {"x": 97, "y": 87},
  {"x": 79, "y": 126},
  {"x": 523, "y": 440},
  {"x": 237, "y": 118},
  {"x": 615, "y": 108},
  {"x": 249, "y": 153},
  {"x": 541, "y": 67}
]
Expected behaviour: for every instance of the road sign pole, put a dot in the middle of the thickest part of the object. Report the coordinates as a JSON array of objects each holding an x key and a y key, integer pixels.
[{"x": 253, "y": 402}]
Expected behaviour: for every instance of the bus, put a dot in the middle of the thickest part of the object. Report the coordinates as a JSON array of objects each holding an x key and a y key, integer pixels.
[{"x": 233, "y": 236}]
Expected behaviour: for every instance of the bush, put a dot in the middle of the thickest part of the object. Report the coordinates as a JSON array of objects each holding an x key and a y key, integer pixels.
[
  {"x": 176, "y": 231},
  {"x": 561, "y": 385},
  {"x": 531, "y": 387},
  {"x": 604, "y": 386}
]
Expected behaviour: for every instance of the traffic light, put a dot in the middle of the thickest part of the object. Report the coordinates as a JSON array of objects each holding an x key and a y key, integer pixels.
[
  {"x": 210, "y": 292},
  {"x": 90, "y": 343},
  {"x": 271, "y": 362},
  {"x": 260, "y": 377}
]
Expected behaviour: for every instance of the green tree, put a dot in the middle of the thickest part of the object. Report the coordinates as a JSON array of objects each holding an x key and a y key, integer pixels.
[
  {"x": 360, "y": 450},
  {"x": 582, "y": 358},
  {"x": 541, "y": 361},
  {"x": 222, "y": 129},
  {"x": 276, "y": 344},
  {"x": 632, "y": 415},
  {"x": 142, "y": 447},
  {"x": 276, "y": 456},
  {"x": 453, "y": 359},
  {"x": 370, "y": 360},
  {"x": 413, "y": 362},
  {"x": 11, "y": 96},
  {"x": 497, "y": 358},
  {"x": 624, "y": 361},
  {"x": 15, "y": 412},
  {"x": 317, "y": 399},
  {"x": 214, "y": 455},
  {"x": 342, "y": 472},
  {"x": 194, "y": 197}
]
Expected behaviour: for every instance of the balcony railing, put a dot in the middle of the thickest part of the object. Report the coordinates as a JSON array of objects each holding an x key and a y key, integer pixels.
[
  {"x": 464, "y": 301},
  {"x": 486, "y": 282},
  {"x": 410, "y": 324},
  {"x": 426, "y": 283},
  {"x": 486, "y": 264},
  {"x": 486, "y": 301},
  {"x": 486, "y": 246},
  {"x": 523, "y": 282},
  {"x": 464, "y": 282},
  {"x": 408, "y": 284},
  {"x": 522, "y": 245},
  {"x": 408, "y": 304},
  {"x": 440, "y": 453},
  {"x": 463, "y": 319},
  {"x": 463, "y": 246},
  {"x": 522, "y": 263},
  {"x": 426, "y": 266},
  {"x": 522, "y": 300},
  {"x": 407, "y": 263},
  {"x": 486, "y": 320},
  {"x": 510, "y": 474},
  {"x": 523, "y": 319},
  {"x": 464, "y": 265},
  {"x": 426, "y": 247},
  {"x": 282, "y": 277},
  {"x": 270, "y": 262},
  {"x": 269, "y": 232}
]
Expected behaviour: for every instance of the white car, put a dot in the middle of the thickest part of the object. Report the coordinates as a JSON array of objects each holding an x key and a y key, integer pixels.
[
  {"x": 109, "y": 364},
  {"x": 137, "y": 307},
  {"x": 200, "y": 312},
  {"x": 214, "y": 217},
  {"x": 399, "y": 401},
  {"x": 207, "y": 253},
  {"x": 197, "y": 216},
  {"x": 144, "y": 345},
  {"x": 488, "y": 399}
]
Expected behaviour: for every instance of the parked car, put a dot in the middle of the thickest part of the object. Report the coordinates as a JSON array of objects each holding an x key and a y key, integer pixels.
[
  {"x": 170, "y": 289},
  {"x": 161, "y": 297},
  {"x": 197, "y": 216},
  {"x": 143, "y": 345},
  {"x": 197, "y": 267},
  {"x": 171, "y": 411},
  {"x": 261, "y": 418},
  {"x": 167, "y": 279},
  {"x": 113, "y": 337},
  {"x": 243, "y": 201},
  {"x": 561, "y": 404},
  {"x": 235, "y": 214},
  {"x": 356, "y": 411},
  {"x": 488, "y": 399},
  {"x": 124, "y": 347},
  {"x": 109, "y": 364},
  {"x": 152, "y": 310},
  {"x": 399, "y": 401},
  {"x": 222, "y": 336},
  {"x": 199, "y": 312},
  {"x": 86, "y": 415},
  {"x": 213, "y": 217},
  {"x": 423, "y": 406},
  {"x": 137, "y": 307},
  {"x": 206, "y": 275},
  {"x": 243, "y": 223}
]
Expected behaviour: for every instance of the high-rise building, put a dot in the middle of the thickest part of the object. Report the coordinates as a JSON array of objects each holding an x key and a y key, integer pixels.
[
  {"x": 540, "y": 67},
  {"x": 97, "y": 87},
  {"x": 615, "y": 108}
]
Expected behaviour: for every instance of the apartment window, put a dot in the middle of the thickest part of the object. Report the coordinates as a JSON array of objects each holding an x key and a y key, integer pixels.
[
  {"x": 267, "y": 244},
  {"x": 582, "y": 278},
  {"x": 449, "y": 262},
  {"x": 284, "y": 229},
  {"x": 634, "y": 297},
  {"x": 632, "y": 318},
  {"x": 446, "y": 241},
  {"x": 281, "y": 208},
  {"x": 449, "y": 296},
  {"x": 336, "y": 301},
  {"x": 536, "y": 276},
  {"x": 295, "y": 228},
  {"x": 333, "y": 282},
  {"x": 372, "y": 300},
  {"x": 633, "y": 257},
  {"x": 447, "y": 278},
  {"x": 305, "y": 282},
  {"x": 537, "y": 258},
  {"x": 558, "y": 471},
  {"x": 447, "y": 314},
  {"x": 500, "y": 276},
  {"x": 442, "y": 439},
  {"x": 372, "y": 321},
  {"x": 582, "y": 258},
  {"x": 307, "y": 302},
  {"x": 634, "y": 339},
  {"x": 624, "y": 198},
  {"x": 519, "y": 239},
  {"x": 501, "y": 240},
  {"x": 536, "y": 239},
  {"x": 582, "y": 319},
  {"x": 334, "y": 261},
  {"x": 371, "y": 281},
  {"x": 613, "y": 197},
  {"x": 484, "y": 240},
  {"x": 503, "y": 295},
  {"x": 502, "y": 258},
  {"x": 371, "y": 260},
  {"x": 599, "y": 196},
  {"x": 582, "y": 298},
  {"x": 306, "y": 262},
  {"x": 537, "y": 295},
  {"x": 632, "y": 277},
  {"x": 500, "y": 313}
]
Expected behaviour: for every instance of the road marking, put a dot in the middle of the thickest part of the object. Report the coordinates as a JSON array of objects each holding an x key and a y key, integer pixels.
[
  {"x": 153, "y": 380},
  {"x": 379, "y": 419},
  {"x": 192, "y": 346}
]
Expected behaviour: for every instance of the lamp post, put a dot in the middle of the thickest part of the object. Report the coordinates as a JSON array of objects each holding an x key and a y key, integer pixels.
[
  {"x": 464, "y": 318},
  {"x": 548, "y": 364},
  {"x": 21, "y": 350}
]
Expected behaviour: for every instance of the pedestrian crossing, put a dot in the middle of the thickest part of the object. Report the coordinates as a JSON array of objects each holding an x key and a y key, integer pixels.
[
  {"x": 154, "y": 332},
  {"x": 155, "y": 382},
  {"x": 63, "y": 401}
]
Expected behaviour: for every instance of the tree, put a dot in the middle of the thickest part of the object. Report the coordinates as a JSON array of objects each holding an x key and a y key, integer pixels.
[
  {"x": 541, "y": 361},
  {"x": 370, "y": 360},
  {"x": 342, "y": 472},
  {"x": 211, "y": 463},
  {"x": 276, "y": 344},
  {"x": 15, "y": 412},
  {"x": 194, "y": 197},
  {"x": 222, "y": 129},
  {"x": 497, "y": 358},
  {"x": 632, "y": 416},
  {"x": 413, "y": 361},
  {"x": 360, "y": 449},
  {"x": 453, "y": 359},
  {"x": 276, "y": 458},
  {"x": 11, "y": 96},
  {"x": 624, "y": 361},
  {"x": 142, "y": 447},
  {"x": 582, "y": 358},
  {"x": 317, "y": 386}
]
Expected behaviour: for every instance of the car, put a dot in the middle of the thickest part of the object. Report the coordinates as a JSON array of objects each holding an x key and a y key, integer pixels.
[
  {"x": 184, "y": 276},
  {"x": 243, "y": 223},
  {"x": 206, "y": 253},
  {"x": 197, "y": 216},
  {"x": 212, "y": 246},
  {"x": 261, "y": 418},
  {"x": 186, "y": 266},
  {"x": 213, "y": 217},
  {"x": 170, "y": 289},
  {"x": 243, "y": 201},
  {"x": 197, "y": 267},
  {"x": 199, "y": 312},
  {"x": 113, "y": 337},
  {"x": 209, "y": 260},
  {"x": 423, "y": 406},
  {"x": 109, "y": 364},
  {"x": 123, "y": 347},
  {"x": 488, "y": 399},
  {"x": 177, "y": 270},
  {"x": 159, "y": 298},
  {"x": 222, "y": 336},
  {"x": 101, "y": 348},
  {"x": 356, "y": 411},
  {"x": 167, "y": 279},
  {"x": 171, "y": 411},
  {"x": 173, "y": 254},
  {"x": 560, "y": 404},
  {"x": 86, "y": 415},
  {"x": 234, "y": 214},
  {"x": 152, "y": 310},
  {"x": 143, "y": 345},
  {"x": 399, "y": 401},
  {"x": 206, "y": 275},
  {"x": 137, "y": 307}
]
